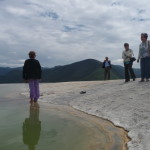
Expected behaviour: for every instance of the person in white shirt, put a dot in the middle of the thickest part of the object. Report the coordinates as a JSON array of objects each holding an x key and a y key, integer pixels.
[{"x": 127, "y": 55}]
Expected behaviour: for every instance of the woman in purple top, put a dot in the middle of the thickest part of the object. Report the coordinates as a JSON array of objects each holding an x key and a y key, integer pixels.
[{"x": 32, "y": 75}]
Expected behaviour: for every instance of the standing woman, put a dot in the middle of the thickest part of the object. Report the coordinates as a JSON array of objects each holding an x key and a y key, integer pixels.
[
  {"x": 127, "y": 55},
  {"x": 144, "y": 57},
  {"x": 32, "y": 75}
]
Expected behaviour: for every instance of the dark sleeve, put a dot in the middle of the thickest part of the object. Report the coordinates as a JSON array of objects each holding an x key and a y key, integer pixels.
[
  {"x": 103, "y": 65},
  {"x": 110, "y": 64},
  {"x": 24, "y": 72},
  {"x": 40, "y": 70}
]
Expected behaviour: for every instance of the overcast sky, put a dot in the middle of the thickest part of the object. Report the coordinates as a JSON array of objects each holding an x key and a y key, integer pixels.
[{"x": 66, "y": 31}]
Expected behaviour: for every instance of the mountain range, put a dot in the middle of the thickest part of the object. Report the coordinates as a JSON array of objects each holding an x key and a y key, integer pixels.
[{"x": 85, "y": 70}]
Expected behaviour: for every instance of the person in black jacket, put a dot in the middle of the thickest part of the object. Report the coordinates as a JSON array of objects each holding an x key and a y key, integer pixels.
[
  {"x": 107, "y": 66},
  {"x": 32, "y": 75}
]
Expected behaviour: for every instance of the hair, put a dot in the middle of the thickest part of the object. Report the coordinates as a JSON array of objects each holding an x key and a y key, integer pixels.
[
  {"x": 32, "y": 54},
  {"x": 126, "y": 44},
  {"x": 145, "y": 35}
]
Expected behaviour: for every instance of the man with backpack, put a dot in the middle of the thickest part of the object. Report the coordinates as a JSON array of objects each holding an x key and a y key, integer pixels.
[{"x": 107, "y": 66}]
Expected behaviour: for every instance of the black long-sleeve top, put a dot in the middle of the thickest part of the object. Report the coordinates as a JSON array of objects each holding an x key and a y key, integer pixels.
[{"x": 32, "y": 69}]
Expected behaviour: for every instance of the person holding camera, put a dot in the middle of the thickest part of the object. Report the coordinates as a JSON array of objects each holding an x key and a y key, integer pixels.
[
  {"x": 127, "y": 56},
  {"x": 144, "y": 57}
]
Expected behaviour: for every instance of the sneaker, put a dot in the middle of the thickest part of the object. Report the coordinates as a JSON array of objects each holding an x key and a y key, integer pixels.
[
  {"x": 142, "y": 80},
  {"x": 126, "y": 81}
]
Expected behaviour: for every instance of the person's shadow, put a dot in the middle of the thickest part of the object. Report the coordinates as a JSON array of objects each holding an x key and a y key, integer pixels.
[{"x": 31, "y": 128}]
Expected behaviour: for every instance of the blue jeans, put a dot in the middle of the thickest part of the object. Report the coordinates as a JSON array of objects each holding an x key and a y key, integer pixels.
[{"x": 145, "y": 67}]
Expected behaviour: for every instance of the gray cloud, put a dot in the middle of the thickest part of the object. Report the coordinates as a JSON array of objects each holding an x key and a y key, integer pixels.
[
  {"x": 63, "y": 32},
  {"x": 50, "y": 14}
]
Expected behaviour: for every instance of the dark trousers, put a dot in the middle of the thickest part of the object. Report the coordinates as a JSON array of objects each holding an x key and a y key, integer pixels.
[
  {"x": 145, "y": 67},
  {"x": 107, "y": 73},
  {"x": 129, "y": 72}
]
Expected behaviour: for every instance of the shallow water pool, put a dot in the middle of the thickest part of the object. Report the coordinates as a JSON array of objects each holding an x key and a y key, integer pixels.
[{"x": 53, "y": 127}]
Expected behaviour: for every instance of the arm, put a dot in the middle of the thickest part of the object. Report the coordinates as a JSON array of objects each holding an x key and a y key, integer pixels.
[
  {"x": 138, "y": 55},
  {"x": 130, "y": 54},
  {"x": 110, "y": 64},
  {"x": 24, "y": 72},
  {"x": 123, "y": 55},
  {"x": 39, "y": 70},
  {"x": 103, "y": 65}
]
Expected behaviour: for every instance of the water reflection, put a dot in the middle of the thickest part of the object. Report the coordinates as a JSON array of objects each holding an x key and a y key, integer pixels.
[{"x": 32, "y": 127}]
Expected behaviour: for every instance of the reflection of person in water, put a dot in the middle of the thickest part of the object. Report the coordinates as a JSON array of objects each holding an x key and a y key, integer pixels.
[{"x": 31, "y": 128}]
